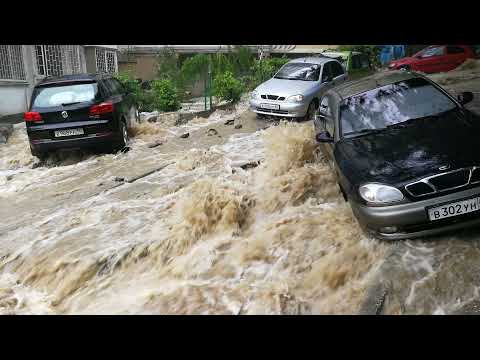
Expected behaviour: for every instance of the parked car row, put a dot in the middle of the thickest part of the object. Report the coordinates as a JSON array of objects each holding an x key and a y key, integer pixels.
[{"x": 401, "y": 147}]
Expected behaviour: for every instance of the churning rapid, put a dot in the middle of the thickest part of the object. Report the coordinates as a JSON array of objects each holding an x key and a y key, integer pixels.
[
  {"x": 243, "y": 219},
  {"x": 207, "y": 232}
]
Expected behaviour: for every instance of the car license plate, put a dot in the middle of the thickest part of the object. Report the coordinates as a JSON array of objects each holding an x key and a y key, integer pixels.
[
  {"x": 69, "y": 132},
  {"x": 454, "y": 209},
  {"x": 270, "y": 106}
]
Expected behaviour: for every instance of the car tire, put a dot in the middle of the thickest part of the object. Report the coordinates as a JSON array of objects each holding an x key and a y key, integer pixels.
[
  {"x": 123, "y": 138},
  {"x": 310, "y": 112},
  {"x": 404, "y": 68},
  {"x": 40, "y": 155},
  {"x": 137, "y": 115}
]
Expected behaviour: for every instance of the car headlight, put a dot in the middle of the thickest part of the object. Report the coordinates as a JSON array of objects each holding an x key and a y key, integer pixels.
[
  {"x": 295, "y": 98},
  {"x": 380, "y": 194}
]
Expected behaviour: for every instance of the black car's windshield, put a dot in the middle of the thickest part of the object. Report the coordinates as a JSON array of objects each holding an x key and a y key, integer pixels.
[
  {"x": 392, "y": 104},
  {"x": 299, "y": 71},
  {"x": 62, "y": 95}
]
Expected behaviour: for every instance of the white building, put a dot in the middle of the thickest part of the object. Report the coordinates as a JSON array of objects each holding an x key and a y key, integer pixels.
[{"x": 21, "y": 66}]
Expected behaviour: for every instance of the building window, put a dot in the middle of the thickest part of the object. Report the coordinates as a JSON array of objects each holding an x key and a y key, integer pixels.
[
  {"x": 57, "y": 60},
  {"x": 106, "y": 61},
  {"x": 11, "y": 62}
]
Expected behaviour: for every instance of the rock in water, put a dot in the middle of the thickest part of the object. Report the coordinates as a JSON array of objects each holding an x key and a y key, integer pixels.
[
  {"x": 211, "y": 132},
  {"x": 184, "y": 136},
  {"x": 155, "y": 144},
  {"x": 5, "y": 132},
  {"x": 238, "y": 126}
]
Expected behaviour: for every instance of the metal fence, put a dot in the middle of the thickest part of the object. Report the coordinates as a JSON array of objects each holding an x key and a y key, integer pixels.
[
  {"x": 11, "y": 62},
  {"x": 57, "y": 60}
]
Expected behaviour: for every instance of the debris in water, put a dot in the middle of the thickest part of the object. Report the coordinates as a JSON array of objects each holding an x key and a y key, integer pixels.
[
  {"x": 229, "y": 122},
  {"x": 211, "y": 132},
  {"x": 184, "y": 136},
  {"x": 119, "y": 179},
  {"x": 155, "y": 144},
  {"x": 250, "y": 165},
  {"x": 238, "y": 126}
]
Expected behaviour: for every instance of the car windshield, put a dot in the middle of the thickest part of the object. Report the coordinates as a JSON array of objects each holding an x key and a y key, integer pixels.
[
  {"x": 433, "y": 51},
  {"x": 61, "y": 95},
  {"x": 392, "y": 104},
  {"x": 299, "y": 71}
]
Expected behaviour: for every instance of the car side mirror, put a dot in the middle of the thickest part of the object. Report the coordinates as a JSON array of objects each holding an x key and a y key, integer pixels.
[
  {"x": 324, "y": 137},
  {"x": 465, "y": 97}
]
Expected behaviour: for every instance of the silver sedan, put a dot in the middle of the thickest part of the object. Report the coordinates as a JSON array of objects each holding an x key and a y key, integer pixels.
[{"x": 296, "y": 88}]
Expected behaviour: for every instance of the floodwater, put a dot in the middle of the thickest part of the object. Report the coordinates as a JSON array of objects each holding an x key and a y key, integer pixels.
[
  {"x": 202, "y": 234},
  {"x": 227, "y": 221}
]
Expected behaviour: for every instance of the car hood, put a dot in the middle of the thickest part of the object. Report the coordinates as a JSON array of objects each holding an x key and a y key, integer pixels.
[
  {"x": 285, "y": 88},
  {"x": 415, "y": 151}
]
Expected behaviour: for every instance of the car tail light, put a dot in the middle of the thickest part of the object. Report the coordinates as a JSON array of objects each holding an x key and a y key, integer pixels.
[
  {"x": 32, "y": 116},
  {"x": 102, "y": 108}
]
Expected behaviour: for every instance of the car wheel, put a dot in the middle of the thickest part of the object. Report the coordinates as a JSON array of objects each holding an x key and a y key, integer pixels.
[
  {"x": 40, "y": 155},
  {"x": 404, "y": 68},
  {"x": 123, "y": 141},
  {"x": 137, "y": 115},
  {"x": 124, "y": 134},
  {"x": 310, "y": 112}
]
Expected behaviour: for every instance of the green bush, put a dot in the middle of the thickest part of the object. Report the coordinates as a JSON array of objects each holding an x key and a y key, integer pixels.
[
  {"x": 227, "y": 88},
  {"x": 143, "y": 99},
  {"x": 165, "y": 95}
]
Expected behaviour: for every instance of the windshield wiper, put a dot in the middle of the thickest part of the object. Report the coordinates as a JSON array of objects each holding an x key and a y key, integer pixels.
[
  {"x": 366, "y": 131},
  {"x": 72, "y": 103}
]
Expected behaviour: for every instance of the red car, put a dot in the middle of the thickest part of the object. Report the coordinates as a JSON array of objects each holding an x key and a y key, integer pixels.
[{"x": 435, "y": 58}]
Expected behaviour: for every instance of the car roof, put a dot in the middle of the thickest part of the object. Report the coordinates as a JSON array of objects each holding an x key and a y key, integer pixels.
[
  {"x": 320, "y": 60},
  {"x": 373, "y": 81},
  {"x": 71, "y": 78}
]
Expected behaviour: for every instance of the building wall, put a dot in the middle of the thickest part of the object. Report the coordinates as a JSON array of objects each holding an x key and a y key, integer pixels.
[
  {"x": 142, "y": 66},
  {"x": 13, "y": 98}
]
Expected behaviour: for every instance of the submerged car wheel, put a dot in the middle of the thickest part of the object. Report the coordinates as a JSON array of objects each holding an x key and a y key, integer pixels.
[
  {"x": 40, "y": 155},
  {"x": 310, "y": 112},
  {"x": 122, "y": 142},
  {"x": 124, "y": 131}
]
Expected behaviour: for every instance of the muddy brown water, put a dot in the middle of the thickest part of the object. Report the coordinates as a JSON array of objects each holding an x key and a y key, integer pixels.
[{"x": 186, "y": 228}]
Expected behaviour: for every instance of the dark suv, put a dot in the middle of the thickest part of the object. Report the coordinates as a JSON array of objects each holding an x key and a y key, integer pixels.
[{"x": 79, "y": 111}]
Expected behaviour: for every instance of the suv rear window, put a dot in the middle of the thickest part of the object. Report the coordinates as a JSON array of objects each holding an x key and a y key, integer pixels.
[{"x": 62, "y": 95}]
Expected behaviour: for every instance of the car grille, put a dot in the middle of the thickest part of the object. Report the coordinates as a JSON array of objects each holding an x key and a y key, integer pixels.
[
  {"x": 273, "y": 97},
  {"x": 282, "y": 112},
  {"x": 454, "y": 179}
]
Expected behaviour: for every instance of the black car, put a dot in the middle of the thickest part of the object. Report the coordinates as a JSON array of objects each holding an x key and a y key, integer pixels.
[
  {"x": 79, "y": 111},
  {"x": 404, "y": 153}
]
